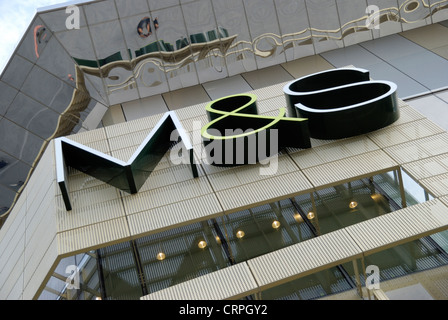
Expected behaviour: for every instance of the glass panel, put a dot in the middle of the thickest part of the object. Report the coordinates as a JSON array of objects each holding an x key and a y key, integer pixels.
[
  {"x": 33, "y": 116},
  {"x": 294, "y": 27},
  {"x": 17, "y": 71},
  {"x": 439, "y": 10},
  {"x": 128, "y": 8},
  {"x": 37, "y": 86},
  {"x": 13, "y": 172},
  {"x": 389, "y": 17},
  {"x": 8, "y": 94},
  {"x": 148, "y": 63},
  {"x": 204, "y": 38},
  {"x": 18, "y": 142},
  {"x": 34, "y": 41},
  {"x": 162, "y": 4},
  {"x": 101, "y": 11},
  {"x": 231, "y": 17},
  {"x": 55, "y": 60},
  {"x": 265, "y": 33},
  {"x": 113, "y": 57},
  {"x": 326, "y": 28},
  {"x": 179, "y": 67},
  {"x": 57, "y": 20},
  {"x": 354, "y": 29},
  {"x": 6, "y": 198},
  {"x": 414, "y": 14}
]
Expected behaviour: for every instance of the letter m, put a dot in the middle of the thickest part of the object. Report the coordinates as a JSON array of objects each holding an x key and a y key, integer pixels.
[{"x": 127, "y": 176}]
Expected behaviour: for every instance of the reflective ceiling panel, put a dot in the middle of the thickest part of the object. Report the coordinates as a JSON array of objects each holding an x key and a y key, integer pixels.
[
  {"x": 13, "y": 172},
  {"x": 179, "y": 65},
  {"x": 208, "y": 52},
  {"x": 128, "y": 8},
  {"x": 230, "y": 16},
  {"x": 388, "y": 15},
  {"x": 19, "y": 142},
  {"x": 162, "y": 4},
  {"x": 265, "y": 32},
  {"x": 414, "y": 13},
  {"x": 33, "y": 116},
  {"x": 17, "y": 71},
  {"x": 8, "y": 94},
  {"x": 354, "y": 23},
  {"x": 294, "y": 27},
  {"x": 325, "y": 25},
  {"x": 147, "y": 61},
  {"x": 438, "y": 10}
]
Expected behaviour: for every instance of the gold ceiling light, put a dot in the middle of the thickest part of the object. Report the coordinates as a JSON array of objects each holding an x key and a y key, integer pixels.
[
  {"x": 276, "y": 224},
  {"x": 298, "y": 217},
  {"x": 218, "y": 239},
  {"x": 311, "y": 215},
  {"x": 202, "y": 244},
  {"x": 240, "y": 234},
  {"x": 353, "y": 204},
  {"x": 161, "y": 256}
]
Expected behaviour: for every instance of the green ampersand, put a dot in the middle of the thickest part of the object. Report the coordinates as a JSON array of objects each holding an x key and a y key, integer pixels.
[{"x": 237, "y": 135}]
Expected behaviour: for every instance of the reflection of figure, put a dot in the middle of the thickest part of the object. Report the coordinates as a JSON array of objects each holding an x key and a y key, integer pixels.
[
  {"x": 145, "y": 23},
  {"x": 156, "y": 23}
]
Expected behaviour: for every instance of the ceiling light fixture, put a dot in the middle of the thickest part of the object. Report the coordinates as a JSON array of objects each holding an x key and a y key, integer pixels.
[
  {"x": 240, "y": 234},
  {"x": 202, "y": 244},
  {"x": 161, "y": 256},
  {"x": 353, "y": 205},
  {"x": 276, "y": 224},
  {"x": 311, "y": 215}
]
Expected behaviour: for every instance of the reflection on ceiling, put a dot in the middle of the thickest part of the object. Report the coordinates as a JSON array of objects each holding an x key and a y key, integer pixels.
[{"x": 70, "y": 62}]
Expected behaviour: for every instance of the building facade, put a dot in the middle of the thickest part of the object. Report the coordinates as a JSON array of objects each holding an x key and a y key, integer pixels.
[{"x": 308, "y": 223}]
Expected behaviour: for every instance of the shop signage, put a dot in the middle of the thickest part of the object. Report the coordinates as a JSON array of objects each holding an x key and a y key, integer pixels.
[{"x": 329, "y": 105}]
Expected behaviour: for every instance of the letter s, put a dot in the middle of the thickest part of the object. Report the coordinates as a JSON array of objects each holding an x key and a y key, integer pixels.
[{"x": 341, "y": 103}]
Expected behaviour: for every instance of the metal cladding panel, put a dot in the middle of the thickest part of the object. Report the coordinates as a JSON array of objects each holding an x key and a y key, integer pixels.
[
  {"x": 399, "y": 134},
  {"x": 174, "y": 215},
  {"x": 437, "y": 185},
  {"x": 356, "y": 167},
  {"x": 93, "y": 236},
  {"x": 400, "y": 226},
  {"x": 233, "y": 282},
  {"x": 419, "y": 149},
  {"x": 428, "y": 168},
  {"x": 334, "y": 151},
  {"x": 304, "y": 258}
]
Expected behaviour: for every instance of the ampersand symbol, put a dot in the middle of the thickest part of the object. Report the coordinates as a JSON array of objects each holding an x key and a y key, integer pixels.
[{"x": 237, "y": 135}]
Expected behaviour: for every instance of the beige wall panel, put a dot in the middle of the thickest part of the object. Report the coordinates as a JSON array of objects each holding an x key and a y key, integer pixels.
[
  {"x": 166, "y": 195},
  {"x": 304, "y": 258},
  {"x": 400, "y": 226},
  {"x": 14, "y": 280},
  {"x": 16, "y": 291},
  {"x": 192, "y": 112},
  {"x": 264, "y": 191},
  {"x": 344, "y": 170},
  {"x": 88, "y": 137},
  {"x": 272, "y": 91},
  {"x": 94, "y": 236},
  {"x": 333, "y": 151},
  {"x": 37, "y": 274},
  {"x": 419, "y": 149},
  {"x": 174, "y": 215},
  {"x": 429, "y": 167},
  {"x": 438, "y": 185},
  {"x": 408, "y": 114},
  {"x": 234, "y": 282}
]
